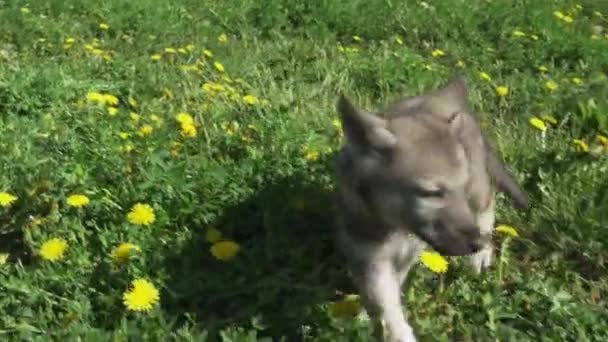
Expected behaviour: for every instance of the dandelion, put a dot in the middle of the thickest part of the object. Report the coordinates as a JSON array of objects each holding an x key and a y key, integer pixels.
[
  {"x": 124, "y": 251},
  {"x": 311, "y": 155},
  {"x": 222, "y": 38},
  {"x": 558, "y": 15},
  {"x": 549, "y": 118},
  {"x": 141, "y": 214},
  {"x": 357, "y": 38},
  {"x": 3, "y": 258},
  {"x": 434, "y": 261},
  {"x": 184, "y": 118},
  {"x": 170, "y": 50},
  {"x": 438, "y": 53},
  {"x": 485, "y": 76},
  {"x": 7, "y": 199},
  {"x": 155, "y": 57},
  {"x": 580, "y": 145},
  {"x": 70, "y": 40},
  {"x": 250, "y": 99},
  {"x": 182, "y": 51},
  {"x": 128, "y": 148},
  {"x": 507, "y": 230},
  {"x": 213, "y": 235},
  {"x": 543, "y": 68},
  {"x": 110, "y": 99},
  {"x": 132, "y": 102},
  {"x": 145, "y": 130},
  {"x": 502, "y": 91},
  {"x": 348, "y": 307},
  {"x": 398, "y": 40},
  {"x": 602, "y": 139},
  {"x": 25, "y": 10},
  {"x": 134, "y": 116},
  {"x": 112, "y": 111},
  {"x": 208, "y": 53},
  {"x": 550, "y": 85},
  {"x": 577, "y": 81},
  {"x": 156, "y": 119},
  {"x": 124, "y": 135},
  {"x": 104, "y": 26},
  {"x": 78, "y": 200},
  {"x": 225, "y": 250},
  {"x": 142, "y": 296},
  {"x": 53, "y": 249},
  {"x": 538, "y": 124},
  {"x": 534, "y": 37},
  {"x": 97, "y": 52},
  {"x": 518, "y": 33},
  {"x": 190, "y": 47},
  {"x": 567, "y": 19},
  {"x": 188, "y": 130},
  {"x": 219, "y": 66},
  {"x": 460, "y": 64}
]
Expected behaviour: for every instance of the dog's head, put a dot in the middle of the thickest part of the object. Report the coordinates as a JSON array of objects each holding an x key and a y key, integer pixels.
[{"x": 411, "y": 169}]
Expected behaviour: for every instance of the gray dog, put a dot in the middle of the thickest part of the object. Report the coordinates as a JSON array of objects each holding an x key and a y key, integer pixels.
[{"x": 421, "y": 173}]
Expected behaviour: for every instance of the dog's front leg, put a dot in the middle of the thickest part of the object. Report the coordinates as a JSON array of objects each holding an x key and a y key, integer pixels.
[
  {"x": 483, "y": 259},
  {"x": 380, "y": 291}
]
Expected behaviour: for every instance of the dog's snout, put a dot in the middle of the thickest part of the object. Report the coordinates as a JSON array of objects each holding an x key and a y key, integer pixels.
[{"x": 472, "y": 232}]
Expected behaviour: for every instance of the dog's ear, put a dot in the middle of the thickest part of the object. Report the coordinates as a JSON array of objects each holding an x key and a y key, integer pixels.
[
  {"x": 455, "y": 91},
  {"x": 363, "y": 129}
]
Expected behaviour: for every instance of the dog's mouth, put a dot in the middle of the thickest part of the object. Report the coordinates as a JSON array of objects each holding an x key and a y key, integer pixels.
[{"x": 451, "y": 242}]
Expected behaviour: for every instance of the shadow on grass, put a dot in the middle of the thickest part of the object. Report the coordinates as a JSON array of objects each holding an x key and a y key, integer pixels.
[{"x": 286, "y": 266}]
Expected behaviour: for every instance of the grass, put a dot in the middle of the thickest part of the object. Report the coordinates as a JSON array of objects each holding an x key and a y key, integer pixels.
[{"x": 259, "y": 168}]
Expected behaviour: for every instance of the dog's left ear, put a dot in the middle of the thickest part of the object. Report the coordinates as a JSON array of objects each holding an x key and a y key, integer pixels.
[{"x": 455, "y": 91}]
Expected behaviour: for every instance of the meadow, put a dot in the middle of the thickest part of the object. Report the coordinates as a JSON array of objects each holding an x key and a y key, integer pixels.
[{"x": 166, "y": 166}]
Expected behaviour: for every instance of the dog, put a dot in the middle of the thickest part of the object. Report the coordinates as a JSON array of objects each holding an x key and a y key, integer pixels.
[{"x": 420, "y": 173}]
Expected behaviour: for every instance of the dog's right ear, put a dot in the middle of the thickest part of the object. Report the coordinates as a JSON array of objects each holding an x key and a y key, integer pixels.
[{"x": 362, "y": 129}]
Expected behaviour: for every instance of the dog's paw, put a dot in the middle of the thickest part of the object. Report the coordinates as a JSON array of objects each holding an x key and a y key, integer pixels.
[{"x": 481, "y": 260}]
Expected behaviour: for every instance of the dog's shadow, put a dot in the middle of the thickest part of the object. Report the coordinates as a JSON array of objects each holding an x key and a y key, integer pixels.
[{"x": 285, "y": 268}]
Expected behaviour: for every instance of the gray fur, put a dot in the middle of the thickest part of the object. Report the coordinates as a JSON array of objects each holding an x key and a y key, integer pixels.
[{"x": 420, "y": 173}]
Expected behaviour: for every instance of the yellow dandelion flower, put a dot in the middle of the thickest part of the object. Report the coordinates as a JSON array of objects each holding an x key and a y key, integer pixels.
[
  {"x": 434, "y": 261},
  {"x": 190, "y": 47},
  {"x": 543, "y": 68},
  {"x": 348, "y": 307},
  {"x": 538, "y": 124},
  {"x": 595, "y": 37},
  {"x": 170, "y": 50},
  {"x": 112, "y": 111},
  {"x": 142, "y": 296},
  {"x": 219, "y": 66},
  {"x": 141, "y": 214},
  {"x": 97, "y": 52},
  {"x": 25, "y": 10},
  {"x": 104, "y": 26},
  {"x": 597, "y": 13},
  {"x": 188, "y": 130},
  {"x": 124, "y": 135},
  {"x": 502, "y": 91},
  {"x": 94, "y": 96},
  {"x": 559, "y": 14},
  {"x": 88, "y": 47},
  {"x": 156, "y": 57},
  {"x": 7, "y": 199},
  {"x": 182, "y": 51},
  {"x": 577, "y": 81},
  {"x": 250, "y": 99},
  {"x": 311, "y": 155},
  {"x": 53, "y": 249},
  {"x": 437, "y": 53},
  {"x": 145, "y": 130},
  {"x": 213, "y": 235},
  {"x": 3, "y": 258},
  {"x": 70, "y": 40},
  {"x": 398, "y": 40},
  {"x": 507, "y": 230},
  {"x": 549, "y": 118},
  {"x": 184, "y": 118},
  {"x": 225, "y": 250},
  {"x": 208, "y": 53},
  {"x": 602, "y": 139},
  {"x": 128, "y": 148},
  {"x": 134, "y": 116},
  {"x": 110, "y": 99},
  {"x": 222, "y": 38},
  {"x": 518, "y": 33},
  {"x": 485, "y": 76},
  {"x": 534, "y": 37},
  {"x": 460, "y": 64},
  {"x": 156, "y": 119},
  {"x": 124, "y": 251},
  {"x": 567, "y": 19},
  {"x": 357, "y": 38},
  {"x": 132, "y": 102},
  {"x": 581, "y": 145},
  {"x": 78, "y": 200},
  {"x": 550, "y": 85}
]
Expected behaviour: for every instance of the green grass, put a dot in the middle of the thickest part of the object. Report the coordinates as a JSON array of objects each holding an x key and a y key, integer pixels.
[{"x": 254, "y": 183}]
